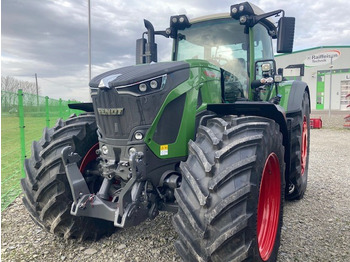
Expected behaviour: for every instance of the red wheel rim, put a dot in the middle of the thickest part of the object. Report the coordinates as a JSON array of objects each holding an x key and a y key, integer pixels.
[
  {"x": 269, "y": 206},
  {"x": 303, "y": 146},
  {"x": 89, "y": 157}
]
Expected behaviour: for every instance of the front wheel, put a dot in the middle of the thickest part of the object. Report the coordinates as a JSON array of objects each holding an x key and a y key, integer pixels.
[
  {"x": 47, "y": 194},
  {"x": 232, "y": 192}
]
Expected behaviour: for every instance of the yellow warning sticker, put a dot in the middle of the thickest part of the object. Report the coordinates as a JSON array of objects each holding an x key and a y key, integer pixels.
[{"x": 164, "y": 150}]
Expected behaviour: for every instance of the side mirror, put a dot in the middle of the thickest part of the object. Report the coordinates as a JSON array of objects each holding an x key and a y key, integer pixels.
[{"x": 285, "y": 34}]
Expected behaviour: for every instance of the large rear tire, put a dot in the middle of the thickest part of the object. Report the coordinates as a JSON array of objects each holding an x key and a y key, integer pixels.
[
  {"x": 300, "y": 148},
  {"x": 47, "y": 194},
  {"x": 232, "y": 192}
]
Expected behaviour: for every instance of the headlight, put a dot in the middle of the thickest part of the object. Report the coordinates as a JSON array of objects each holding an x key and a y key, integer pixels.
[
  {"x": 138, "y": 135},
  {"x": 145, "y": 87},
  {"x": 142, "y": 87},
  {"x": 153, "y": 84}
]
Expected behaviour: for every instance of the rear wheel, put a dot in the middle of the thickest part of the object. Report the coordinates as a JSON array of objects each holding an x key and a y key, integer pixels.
[
  {"x": 300, "y": 144},
  {"x": 232, "y": 192},
  {"x": 47, "y": 194}
]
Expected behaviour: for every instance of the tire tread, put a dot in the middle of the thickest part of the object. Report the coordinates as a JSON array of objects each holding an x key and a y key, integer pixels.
[{"x": 47, "y": 194}]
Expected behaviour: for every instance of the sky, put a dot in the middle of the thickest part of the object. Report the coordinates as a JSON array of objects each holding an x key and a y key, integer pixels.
[{"x": 50, "y": 37}]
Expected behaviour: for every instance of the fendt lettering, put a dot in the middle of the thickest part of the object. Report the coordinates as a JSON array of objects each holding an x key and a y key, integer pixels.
[{"x": 110, "y": 111}]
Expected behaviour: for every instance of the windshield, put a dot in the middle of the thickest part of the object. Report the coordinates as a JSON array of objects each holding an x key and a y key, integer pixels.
[{"x": 222, "y": 42}]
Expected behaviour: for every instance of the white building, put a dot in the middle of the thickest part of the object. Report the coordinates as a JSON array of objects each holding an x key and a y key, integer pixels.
[{"x": 326, "y": 70}]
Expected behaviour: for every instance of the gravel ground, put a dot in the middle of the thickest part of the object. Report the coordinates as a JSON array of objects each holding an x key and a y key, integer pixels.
[{"x": 316, "y": 228}]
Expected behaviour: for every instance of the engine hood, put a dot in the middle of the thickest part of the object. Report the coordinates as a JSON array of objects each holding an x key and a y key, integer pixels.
[{"x": 133, "y": 74}]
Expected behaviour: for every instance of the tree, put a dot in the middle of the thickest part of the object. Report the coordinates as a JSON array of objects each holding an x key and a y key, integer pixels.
[{"x": 11, "y": 84}]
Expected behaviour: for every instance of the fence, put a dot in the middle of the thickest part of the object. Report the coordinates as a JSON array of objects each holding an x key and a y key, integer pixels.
[{"x": 23, "y": 117}]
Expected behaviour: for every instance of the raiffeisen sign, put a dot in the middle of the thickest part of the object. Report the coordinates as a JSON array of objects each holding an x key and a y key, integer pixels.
[{"x": 323, "y": 58}]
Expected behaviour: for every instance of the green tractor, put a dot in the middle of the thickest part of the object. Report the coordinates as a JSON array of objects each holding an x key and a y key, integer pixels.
[{"x": 216, "y": 136}]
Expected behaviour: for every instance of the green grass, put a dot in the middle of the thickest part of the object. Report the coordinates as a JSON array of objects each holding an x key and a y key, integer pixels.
[
  {"x": 34, "y": 122},
  {"x": 11, "y": 154},
  {"x": 11, "y": 165}
]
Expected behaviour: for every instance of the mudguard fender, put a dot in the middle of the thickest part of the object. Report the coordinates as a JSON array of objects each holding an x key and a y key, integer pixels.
[{"x": 296, "y": 96}]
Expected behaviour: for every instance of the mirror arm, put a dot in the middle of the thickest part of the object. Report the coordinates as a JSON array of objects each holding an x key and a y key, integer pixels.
[
  {"x": 163, "y": 33},
  {"x": 257, "y": 18},
  {"x": 254, "y": 19}
]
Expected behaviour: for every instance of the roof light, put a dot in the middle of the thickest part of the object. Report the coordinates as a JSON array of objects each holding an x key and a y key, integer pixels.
[
  {"x": 179, "y": 22},
  {"x": 241, "y": 9},
  {"x": 243, "y": 19}
]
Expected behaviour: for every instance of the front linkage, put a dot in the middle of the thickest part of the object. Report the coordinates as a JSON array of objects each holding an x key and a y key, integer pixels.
[{"x": 136, "y": 203}]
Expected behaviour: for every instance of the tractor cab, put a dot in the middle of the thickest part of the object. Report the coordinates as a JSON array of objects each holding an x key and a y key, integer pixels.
[
  {"x": 234, "y": 42},
  {"x": 222, "y": 41}
]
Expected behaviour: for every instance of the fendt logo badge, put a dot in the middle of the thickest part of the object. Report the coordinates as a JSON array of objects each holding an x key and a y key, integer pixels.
[{"x": 110, "y": 111}]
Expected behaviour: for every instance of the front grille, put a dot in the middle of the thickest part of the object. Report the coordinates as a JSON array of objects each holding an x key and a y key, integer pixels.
[
  {"x": 117, "y": 114},
  {"x": 136, "y": 111}
]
